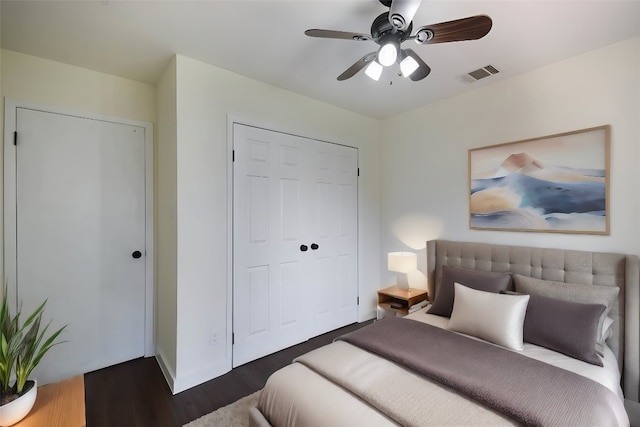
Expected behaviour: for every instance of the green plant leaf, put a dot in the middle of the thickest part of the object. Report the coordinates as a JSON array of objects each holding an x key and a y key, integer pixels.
[
  {"x": 37, "y": 312},
  {"x": 21, "y": 345},
  {"x": 33, "y": 351},
  {"x": 47, "y": 345}
]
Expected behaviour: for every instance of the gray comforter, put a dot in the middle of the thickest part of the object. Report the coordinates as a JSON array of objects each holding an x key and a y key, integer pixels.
[{"x": 526, "y": 390}]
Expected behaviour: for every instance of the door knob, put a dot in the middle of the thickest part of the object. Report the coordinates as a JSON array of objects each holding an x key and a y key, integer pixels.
[
  {"x": 303, "y": 248},
  {"x": 314, "y": 246},
  {"x": 136, "y": 254}
]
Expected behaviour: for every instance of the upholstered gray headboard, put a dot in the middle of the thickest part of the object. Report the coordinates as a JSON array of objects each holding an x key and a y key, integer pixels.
[{"x": 570, "y": 266}]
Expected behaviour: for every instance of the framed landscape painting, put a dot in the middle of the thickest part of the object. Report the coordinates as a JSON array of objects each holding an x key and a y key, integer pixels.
[{"x": 557, "y": 184}]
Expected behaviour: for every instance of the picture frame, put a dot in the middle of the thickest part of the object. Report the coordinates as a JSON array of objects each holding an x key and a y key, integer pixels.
[{"x": 553, "y": 184}]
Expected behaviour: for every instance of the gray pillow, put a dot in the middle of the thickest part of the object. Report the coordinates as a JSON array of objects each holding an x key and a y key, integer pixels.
[
  {"x": 567, "y": 327},
  {"x": 586, "y": 294},
  {"x": 481, "y": 280}
]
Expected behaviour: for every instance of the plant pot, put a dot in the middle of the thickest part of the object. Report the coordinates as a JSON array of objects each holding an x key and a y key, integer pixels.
[{"x": 17, "y": 409}]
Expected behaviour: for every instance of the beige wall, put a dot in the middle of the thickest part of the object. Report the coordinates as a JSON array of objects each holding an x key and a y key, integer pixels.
[
  {"x": 35, "y": 80},
  {"x": 413, "y": 184},
  {"x": 32, "y": 79},
  {"x": 206, "y": 97},
  {"x": 194, "y": 101},
  {"x": 424, "y": 182},
  {"x": 40, "y": 81}
]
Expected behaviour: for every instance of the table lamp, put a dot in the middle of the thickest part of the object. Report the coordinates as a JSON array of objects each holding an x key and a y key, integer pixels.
[{"x": 402, "y": 263}]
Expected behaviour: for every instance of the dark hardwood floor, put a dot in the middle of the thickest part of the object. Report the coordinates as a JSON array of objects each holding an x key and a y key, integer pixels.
[{"x": 135, "y": 393}]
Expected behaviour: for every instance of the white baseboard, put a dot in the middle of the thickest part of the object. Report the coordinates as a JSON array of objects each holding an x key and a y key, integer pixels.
[
  {"x": 169, "y": 376},
  {"x": 179, "y": 384},
  {"x": 367, "y": 316},
  {"x": 200, "y": 376}
]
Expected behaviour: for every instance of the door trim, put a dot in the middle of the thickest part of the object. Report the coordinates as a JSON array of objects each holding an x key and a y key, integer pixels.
[{"x": 10, "y": 203}]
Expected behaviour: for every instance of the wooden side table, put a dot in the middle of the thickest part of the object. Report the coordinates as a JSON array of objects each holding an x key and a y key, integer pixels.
[
  {"x": 401, "y": 298},
  {"x": 59, "y": 404}
]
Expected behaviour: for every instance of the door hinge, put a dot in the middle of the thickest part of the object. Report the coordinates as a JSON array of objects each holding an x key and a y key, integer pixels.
[
  {"x": 15, "y": 137},
  {"x": 233, "y": 338},
  {"x": 357, "y": 300},
  {"x": 233, "y": 155},
  {"x": 358, "y": 171}
]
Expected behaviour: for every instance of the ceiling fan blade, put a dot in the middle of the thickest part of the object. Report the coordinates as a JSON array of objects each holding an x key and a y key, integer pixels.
[
  {"x": 359, "y": 65},
  {"x": 330, "y": 34},
  {"x": 423, "y": 69},
  {"x": 402, "y": 12},
  {"x": 472, "y": 28}
]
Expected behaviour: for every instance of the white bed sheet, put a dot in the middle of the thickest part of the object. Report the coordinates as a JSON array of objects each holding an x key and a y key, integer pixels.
[
  {"x": 298, "y": 396},
  {"x": 607, "y": 375}
]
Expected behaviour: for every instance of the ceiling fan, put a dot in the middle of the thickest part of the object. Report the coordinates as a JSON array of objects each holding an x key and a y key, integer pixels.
[{"x": 390, "y": 29}]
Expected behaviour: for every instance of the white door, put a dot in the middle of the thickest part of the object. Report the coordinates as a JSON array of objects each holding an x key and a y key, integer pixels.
[
  {"x": 295, "y": 240},
  {"x": 80, "y": 191},
  {"x": 333, "y": 226}
]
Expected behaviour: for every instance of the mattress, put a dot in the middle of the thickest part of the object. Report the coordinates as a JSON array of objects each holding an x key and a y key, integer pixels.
[{"x": 298, "y": 396}]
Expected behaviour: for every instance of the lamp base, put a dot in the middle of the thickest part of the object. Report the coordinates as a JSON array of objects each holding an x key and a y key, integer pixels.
[{"x": 403, "y": 281}]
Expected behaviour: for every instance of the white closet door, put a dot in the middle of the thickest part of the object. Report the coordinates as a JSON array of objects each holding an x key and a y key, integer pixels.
[
  {"x": 80, "y": 216},
  {"x": 270, "y": 279},
  {"x": 334, "y": 228},
  {"x": 289, "y": 196}
]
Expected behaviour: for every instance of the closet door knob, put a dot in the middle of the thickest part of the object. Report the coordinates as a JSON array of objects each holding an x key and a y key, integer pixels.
[
  {"x": 314, "y": 246},
  {"x": 136, "y": 254},
  {"x": 303, "y": 248}
]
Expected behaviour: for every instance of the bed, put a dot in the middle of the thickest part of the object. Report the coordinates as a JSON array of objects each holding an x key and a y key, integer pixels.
[{"x": 533, "y": 337}]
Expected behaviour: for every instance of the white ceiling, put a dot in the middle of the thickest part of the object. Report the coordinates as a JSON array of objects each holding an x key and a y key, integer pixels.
[{"x": 264, "y": 40}]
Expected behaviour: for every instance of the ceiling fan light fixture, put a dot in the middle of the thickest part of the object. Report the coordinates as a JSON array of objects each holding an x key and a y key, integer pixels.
[
  {"x": 387, "y": 54},
  {"x": 388, "y": 32},
  {"x": 374, "y": 70},
  {"x": 397, "y": 21},
  {"x": 408, "y": 66},
  {"x": 423, "y": 35}
]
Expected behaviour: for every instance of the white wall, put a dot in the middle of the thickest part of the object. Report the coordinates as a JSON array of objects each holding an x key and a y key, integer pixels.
[
  {"x": 1, "y": 159},
  {"x": 206, "y": 97},
  {"x": 425, "y": 172},
  {"x": 166, "y": 223},
  {"x": 35, "y": 80}
]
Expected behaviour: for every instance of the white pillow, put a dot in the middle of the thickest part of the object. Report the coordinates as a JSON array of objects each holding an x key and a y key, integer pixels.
[
  {"x": 605, "y": 333},
  {"x": 606, "y": 328},
  {"x": 497, "y": 318}
]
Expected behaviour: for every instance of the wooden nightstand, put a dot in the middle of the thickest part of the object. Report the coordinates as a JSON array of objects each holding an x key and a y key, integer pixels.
[
  {"x": 404, "y": 298},
  {"x": 58, "y": 405}
]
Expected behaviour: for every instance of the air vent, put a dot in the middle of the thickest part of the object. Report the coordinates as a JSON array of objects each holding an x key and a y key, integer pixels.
[
  {"x": 480, "y": 73},
  {"x": 491, "y": 69}
]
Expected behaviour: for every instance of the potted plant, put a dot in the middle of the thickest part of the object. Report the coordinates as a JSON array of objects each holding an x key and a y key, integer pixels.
[{"x": 22, "y": 346}]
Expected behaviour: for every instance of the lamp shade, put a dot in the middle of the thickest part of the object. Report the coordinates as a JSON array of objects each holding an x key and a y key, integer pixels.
[{"x": 402, "y": 262}]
